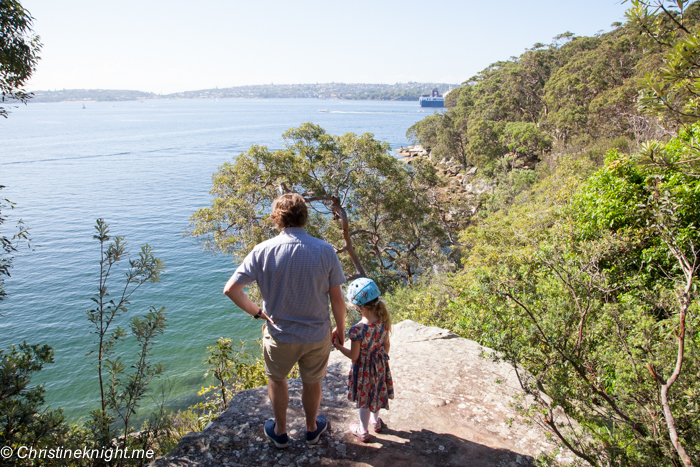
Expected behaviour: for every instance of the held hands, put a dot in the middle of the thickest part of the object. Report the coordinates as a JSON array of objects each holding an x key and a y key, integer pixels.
[
  {"x": 337, "y": 343},
  {"x": 339, "y": 336}
]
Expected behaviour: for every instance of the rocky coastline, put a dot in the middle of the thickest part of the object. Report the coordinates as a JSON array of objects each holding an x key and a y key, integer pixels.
[{"x": 453, "y": 407}]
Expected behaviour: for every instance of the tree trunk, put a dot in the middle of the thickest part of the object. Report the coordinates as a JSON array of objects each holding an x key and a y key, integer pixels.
[
  {"x": 666, "y": 386},
  {"x": 342, "y": 217}
]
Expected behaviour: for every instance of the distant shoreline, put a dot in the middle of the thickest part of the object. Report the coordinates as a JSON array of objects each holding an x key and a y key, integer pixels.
[{"x": 337, "y": 91}]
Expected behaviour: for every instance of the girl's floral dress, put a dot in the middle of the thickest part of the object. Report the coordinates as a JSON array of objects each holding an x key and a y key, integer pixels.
[{"x": 370, "y": 384}]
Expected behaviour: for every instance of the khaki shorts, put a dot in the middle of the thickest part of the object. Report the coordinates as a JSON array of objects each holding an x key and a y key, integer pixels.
[{"x": 280, "y": 357}]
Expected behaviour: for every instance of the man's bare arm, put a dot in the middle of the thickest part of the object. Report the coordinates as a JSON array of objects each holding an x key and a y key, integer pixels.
[
  {"x": 338, "y": 307},
  {"x": 234, "y": 291}
]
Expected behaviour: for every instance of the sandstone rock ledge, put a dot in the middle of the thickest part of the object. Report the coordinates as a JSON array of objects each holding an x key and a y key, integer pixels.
[{"x": 452, "y": 408}]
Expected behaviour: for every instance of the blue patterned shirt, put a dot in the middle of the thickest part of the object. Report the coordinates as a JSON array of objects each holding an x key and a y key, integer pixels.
[{"x": 294, "y": 272}]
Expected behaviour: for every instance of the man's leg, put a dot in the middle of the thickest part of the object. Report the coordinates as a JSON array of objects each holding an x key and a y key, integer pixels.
[
  {"x": 279, "y": 398},
  {"x": 279, "y": 360},
  {"x": 312, "y": 369},
  {"x": 311, "y": 400}
]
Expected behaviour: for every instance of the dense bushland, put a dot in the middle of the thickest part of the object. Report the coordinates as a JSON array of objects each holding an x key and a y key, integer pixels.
[
  {"x": 585, "y": 276},
  {"x": 567, "y": 94}
]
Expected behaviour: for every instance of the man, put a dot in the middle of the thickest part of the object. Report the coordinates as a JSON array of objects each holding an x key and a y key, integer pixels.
[{"x": 296, "y": 274}]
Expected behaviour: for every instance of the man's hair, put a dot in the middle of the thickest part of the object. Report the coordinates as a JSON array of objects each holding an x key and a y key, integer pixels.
[{"x": 289, "y": 210}]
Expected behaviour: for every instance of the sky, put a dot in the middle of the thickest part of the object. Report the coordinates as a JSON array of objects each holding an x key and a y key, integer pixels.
[{"x": 167, "y": 46}]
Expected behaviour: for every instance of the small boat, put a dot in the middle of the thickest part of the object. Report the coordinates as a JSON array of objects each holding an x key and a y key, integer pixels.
[{"x": 323, "y": 111}]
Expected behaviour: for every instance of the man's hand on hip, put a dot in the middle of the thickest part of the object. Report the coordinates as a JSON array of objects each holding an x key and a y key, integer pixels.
[{"x": 234, "y": 291}]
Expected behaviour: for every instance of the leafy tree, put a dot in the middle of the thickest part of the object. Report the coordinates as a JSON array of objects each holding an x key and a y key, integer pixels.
[
  {"x": 671, "y": 92},
  {"x": 362, "y": 200},
  {"x": 525, "y": 138},
  {"x": 19, "y": 52},
  {"x": 597, "y": 78},
  {"x": 662, "y": 216},
  {"x": 24, "y": 420},
  {"x": 662, "y": 22},
  {"x": 121, "y": 392},
  {"x": 444, "y": 136}
]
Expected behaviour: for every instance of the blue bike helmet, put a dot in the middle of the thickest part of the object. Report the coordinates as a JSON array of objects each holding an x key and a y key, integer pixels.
[{"x": 361, "y": 291}]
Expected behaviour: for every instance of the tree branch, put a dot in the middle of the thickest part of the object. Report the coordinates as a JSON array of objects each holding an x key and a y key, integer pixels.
[
  {"x": 680, "y": 26},
  {"x": 549, "y": 421},
  {"x": 342, "y": 217},
  {"x": 581, "y": 372}
]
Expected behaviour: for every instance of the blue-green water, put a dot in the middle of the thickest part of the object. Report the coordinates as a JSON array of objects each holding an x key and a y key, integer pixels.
[{"x": 144, "y": 167}]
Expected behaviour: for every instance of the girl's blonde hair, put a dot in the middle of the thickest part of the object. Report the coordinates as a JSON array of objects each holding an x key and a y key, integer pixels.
[{"x": 379, "y": 309}]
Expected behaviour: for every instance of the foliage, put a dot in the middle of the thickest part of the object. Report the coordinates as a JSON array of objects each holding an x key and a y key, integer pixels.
[
  {"x": 426, "y": 302},
  {"x": 671, "y": 92},
  {"x": 592, "y": 94},
  {"x": 178, "y": 425},
  {"x": 525, "y": 138},
  {"x": 581, "y": 281},
  {"x": 585, "y": 278},
  {"x": 569, "y": 92},
  {"x": 662, "y": 22},
  {"x": 234, "y": 370},
  {"x": 121, "y": 391},
  {"x": 24, "y": 420},
  {"x": 388, "y": 228},
  {"x": 445, "y": 135},
  {"x": 510, "y": 183},
  {"x": 9, "y": 245},
  {"x": 19, "y": 49},
  {"x": 126, "y": 391},
  {"x": 657, "y": 208}
]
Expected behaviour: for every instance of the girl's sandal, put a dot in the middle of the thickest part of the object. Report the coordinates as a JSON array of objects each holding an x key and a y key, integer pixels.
[
  {"x": 355, "y": 430},
  {"x": 377, "y": 427}
]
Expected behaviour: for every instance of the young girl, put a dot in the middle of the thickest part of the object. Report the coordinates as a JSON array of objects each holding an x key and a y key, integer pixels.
[{"x": 369, "y": 383}]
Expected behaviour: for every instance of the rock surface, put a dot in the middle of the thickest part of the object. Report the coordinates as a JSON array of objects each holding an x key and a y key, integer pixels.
[
  {"x": 452, "y": 407},
  {"x": 412, "y": 152}
]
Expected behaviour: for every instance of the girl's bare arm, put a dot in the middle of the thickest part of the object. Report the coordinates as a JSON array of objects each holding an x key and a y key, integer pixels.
[
  {"x": 387, "y": 344},
  {"x": 352, "y": 353}
]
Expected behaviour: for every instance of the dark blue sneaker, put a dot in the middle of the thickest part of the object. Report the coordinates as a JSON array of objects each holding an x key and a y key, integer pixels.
[
  {"x": 281, "y": 441},
  {"x": 321, "y": 425}
]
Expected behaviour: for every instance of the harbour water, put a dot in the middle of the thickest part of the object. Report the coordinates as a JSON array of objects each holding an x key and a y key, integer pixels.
[{"x": 144, "y": 167}]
